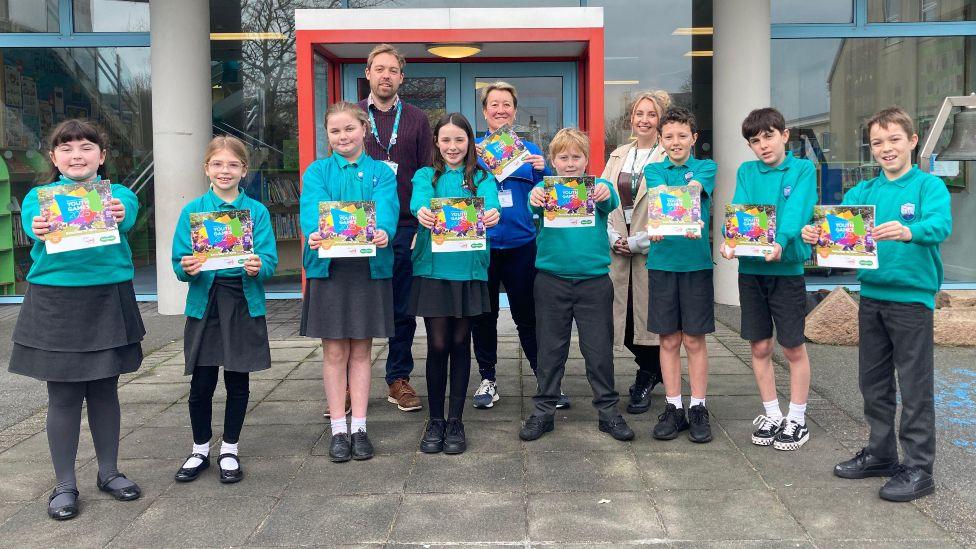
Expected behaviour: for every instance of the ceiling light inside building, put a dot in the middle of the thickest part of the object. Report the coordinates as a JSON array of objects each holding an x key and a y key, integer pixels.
[
  {"x": 247, "y": 36},
  {"x": 454, "y": 51},
  {"x": 693, "y": 31}
]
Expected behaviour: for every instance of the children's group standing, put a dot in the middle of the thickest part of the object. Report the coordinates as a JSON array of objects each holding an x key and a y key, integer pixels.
[{"x": 96, "y": 334}]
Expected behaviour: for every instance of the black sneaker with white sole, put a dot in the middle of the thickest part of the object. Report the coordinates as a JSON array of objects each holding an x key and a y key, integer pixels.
[
  {"x": 791, "y": 436},
  {"x": 767, "y": 430}
]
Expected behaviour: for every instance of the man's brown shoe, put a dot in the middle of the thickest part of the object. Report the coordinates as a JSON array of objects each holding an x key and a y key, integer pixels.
[{"x": 403, "y": 395}]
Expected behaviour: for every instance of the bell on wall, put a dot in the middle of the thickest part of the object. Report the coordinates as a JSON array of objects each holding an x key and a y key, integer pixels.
[{"x": 962, "y": 146}]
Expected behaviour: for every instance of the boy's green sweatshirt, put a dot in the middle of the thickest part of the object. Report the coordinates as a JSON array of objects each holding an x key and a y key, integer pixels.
[
  {"x": 679, "y": 253},
  {"x": 449, "y": 265},
  {"x": 908, "y": 272},
  {"x": 577, "y": 252},
  {"x": 88, "y": 267},
  {"x": 792, "y": 188}
]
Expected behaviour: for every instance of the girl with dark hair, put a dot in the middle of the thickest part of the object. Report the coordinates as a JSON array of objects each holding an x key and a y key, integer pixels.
[
  {"x": 95, "y": 335},
  {"x": 449, "y": 288}
]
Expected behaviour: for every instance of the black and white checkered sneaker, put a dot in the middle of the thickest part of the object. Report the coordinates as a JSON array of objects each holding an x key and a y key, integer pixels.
[
  {"x": 792, "y": 436},
  {"x": 766, "y": 431}
]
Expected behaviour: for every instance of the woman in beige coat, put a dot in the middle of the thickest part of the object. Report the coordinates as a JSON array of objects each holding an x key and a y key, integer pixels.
[{"x": 629, "y": 243}]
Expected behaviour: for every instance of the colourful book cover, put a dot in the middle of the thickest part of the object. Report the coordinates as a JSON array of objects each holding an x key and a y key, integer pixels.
[
  {"x": 674, "y": 210},
  {"x": 224, "y": 239},
  {"x": 79, "y": 215},
  {"x": 502, "y": 151},
  {"x": 845, "y": 237},
  {"x": 750, "y": 229},
  {"x": 569, "y": 201},
  {"x": 460, "y": 225},
  {"x": 347, "y": 229}
]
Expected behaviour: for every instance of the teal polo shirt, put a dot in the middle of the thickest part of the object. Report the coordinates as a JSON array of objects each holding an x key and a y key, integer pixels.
[{"x": 680, "y": 253}]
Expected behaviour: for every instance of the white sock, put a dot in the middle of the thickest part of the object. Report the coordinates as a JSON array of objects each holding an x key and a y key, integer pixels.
[
  {"x": 358, "y": 424},
  {"x": 339, "y": 426},
  {"x": 773, "y": 410},
  {"x": 202, "y": 449},
  {"x": 695, "y": 402},
  {"x": 228, "y": 448},
  {"x": 798, "y": 413},
  {"x": 676, "y": 400}
]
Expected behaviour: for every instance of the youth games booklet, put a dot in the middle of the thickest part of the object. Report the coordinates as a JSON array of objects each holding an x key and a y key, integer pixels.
[
  {"x": 502, "y": 151},
  {"x": 845, "y": 237},
  {"x": 224, "y": 239},
  {"x": 79, "y": 215},
  {"x": 569, "y": 201},
  {"x": 460, "y": 225},
  {"x": 750, "y": 229},
  {"x": 347, "y": 229},
  {"x": 674, "y": 210}
]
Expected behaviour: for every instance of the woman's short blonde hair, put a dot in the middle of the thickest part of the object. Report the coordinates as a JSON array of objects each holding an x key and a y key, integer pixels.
[
  {"x": 501, "y": 86},
  {"x": 569, "y": 138},
  {"x": 660, "y": 98}
]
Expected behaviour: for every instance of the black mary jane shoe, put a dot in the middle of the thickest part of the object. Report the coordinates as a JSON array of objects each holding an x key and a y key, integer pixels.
[
  {"x": 127, "y": 493},
  {"x": 230, "y": 476},
  {"x": 187, "y": 474},
  {"x": 64, "y": 512}
]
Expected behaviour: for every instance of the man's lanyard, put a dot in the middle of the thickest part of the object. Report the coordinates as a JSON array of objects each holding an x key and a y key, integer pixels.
[{"x": 393, "y": 135}]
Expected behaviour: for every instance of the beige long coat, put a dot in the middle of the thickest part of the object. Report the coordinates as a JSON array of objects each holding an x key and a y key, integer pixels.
[{"x": 624, "y": 269}]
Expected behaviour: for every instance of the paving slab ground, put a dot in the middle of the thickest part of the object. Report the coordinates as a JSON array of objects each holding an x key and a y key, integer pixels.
[{"x": 576, "y": 487}]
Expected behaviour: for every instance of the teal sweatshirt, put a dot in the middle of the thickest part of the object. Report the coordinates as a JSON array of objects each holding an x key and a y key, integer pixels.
[
  {"x": 335, "y": 178},
  {"x": 792, "y": 188},
  {"x": 578, "y": 252},
  {"x": 89, "y": 267},
  {"x": 678, "y": 253},
  {"x": 449, "y": 265},
  {"x": 200, "y": 283},
  {"x": 908, "y": 272}
]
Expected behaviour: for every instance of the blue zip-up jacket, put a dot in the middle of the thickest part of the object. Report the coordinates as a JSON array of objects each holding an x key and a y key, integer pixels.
[
  {"x": 516, "y": 226},
  {"x": 335, "y": 178},
  {"x": 88, "y": 267},
  {"x": 200, "y": 283}
]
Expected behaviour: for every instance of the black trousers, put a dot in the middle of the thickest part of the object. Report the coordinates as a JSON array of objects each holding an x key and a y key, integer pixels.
[
  {"x": 515, "y": 268},
  {"x": 647, "y": 357},
  {"x": 590, "y": 302},
  {"x": 897, "y": 339},
  {"x": 202, "y": 387}
]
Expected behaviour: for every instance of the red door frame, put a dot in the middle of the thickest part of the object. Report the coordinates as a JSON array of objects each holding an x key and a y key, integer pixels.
[{"x": 307, "y": 42}]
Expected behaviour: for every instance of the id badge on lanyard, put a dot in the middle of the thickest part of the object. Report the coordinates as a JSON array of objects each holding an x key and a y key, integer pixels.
[
  {"x": 505, "y": 199},
  {"x": 393, "y": 165}
]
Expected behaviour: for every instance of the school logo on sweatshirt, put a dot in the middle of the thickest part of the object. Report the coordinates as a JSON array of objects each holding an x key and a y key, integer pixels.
[
  {"x": 787, "y": 191},
  {"x": 908, "y": 211},
  {"x": 689, "y": 176}
]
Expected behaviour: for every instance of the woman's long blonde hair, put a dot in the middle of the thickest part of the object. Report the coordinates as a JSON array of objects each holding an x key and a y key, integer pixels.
[{"x": 661, "y": 100}]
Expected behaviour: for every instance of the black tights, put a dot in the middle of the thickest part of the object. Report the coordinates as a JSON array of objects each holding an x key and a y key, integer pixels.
[
  {"x": 448, "y": 338},
  {"x": 202, "y": 386},
  {"x": 64, "y": 425}
]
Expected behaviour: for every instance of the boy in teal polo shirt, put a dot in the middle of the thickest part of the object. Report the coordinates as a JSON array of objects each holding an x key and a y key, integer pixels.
[
  {"x": 679, "y": 278},
  {"x": 895, "y": 318},
  {"x": 573, "y": 282},
  {"x": 771, "y": 288}
]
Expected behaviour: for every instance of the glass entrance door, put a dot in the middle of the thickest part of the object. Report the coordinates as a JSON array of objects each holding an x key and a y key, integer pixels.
[{"x": 548, "y": 92}]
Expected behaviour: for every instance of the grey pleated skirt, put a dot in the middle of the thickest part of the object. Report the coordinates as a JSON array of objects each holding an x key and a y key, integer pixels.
[
  {"x": 79, "y": 333},
  {"x": 350, "y": 304},
  {"x": 433, "y": 297},
  {"x": 227, "y": 335}
]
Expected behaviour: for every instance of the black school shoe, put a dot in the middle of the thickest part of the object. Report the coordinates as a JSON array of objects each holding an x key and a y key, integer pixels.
[
  {"x": 536, "y": 426},
  {"x": 864, "y": 465},
  {"x": 340, "y": 449},
  {"x": 617, "y": 428},
  {"x": 63, "y": 512},
  {"x": 910, "y": 482},
  {"x": 670, "y": 423},
  {"x": 187, "y": 474},
  {"x": 454, "y": 441},
  {"x": 433, "y": 440},
  {"x": 127, "y": 493},
  {"x": 362, "y": 448},
  {"x": 640, "y": 393},
  {"x": 230, "y": 476},
  {"x": 699, "y": 429}
]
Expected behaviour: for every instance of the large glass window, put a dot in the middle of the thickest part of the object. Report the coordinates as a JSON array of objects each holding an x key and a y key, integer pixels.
[
  {"x": 111, "y": 15},
  {"x": 29, "y": 16},
  {"x": 805, "y": 11},
  {"x": 42, "y": 87},
  {"x": 827, "y": 88},
  {"x": 915, "y": 11}
]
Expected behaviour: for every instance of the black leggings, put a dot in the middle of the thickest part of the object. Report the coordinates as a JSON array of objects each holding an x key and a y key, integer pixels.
[
  {"x": 64, "y": 425},
  {"x": 202, "y": 387},
  {"x": 448, "y": 338}
]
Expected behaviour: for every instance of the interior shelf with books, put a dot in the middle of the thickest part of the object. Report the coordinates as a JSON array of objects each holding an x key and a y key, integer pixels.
[{"x": 279, "y": 191}]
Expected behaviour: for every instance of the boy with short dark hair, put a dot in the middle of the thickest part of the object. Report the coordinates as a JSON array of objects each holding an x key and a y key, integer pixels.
[
  {"x": 895, "y": 317},
  {"x": 680, "y": 293},
  {"x": 772, "y": 290}
]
